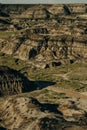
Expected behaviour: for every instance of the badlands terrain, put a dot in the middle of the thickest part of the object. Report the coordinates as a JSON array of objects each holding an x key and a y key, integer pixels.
[{"x": 43, "y": 67}]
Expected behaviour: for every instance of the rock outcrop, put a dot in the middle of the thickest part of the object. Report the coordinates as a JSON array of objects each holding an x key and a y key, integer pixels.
[
  {"x": 47, "y": 33},
  {"x": 12, "y": 82},
  {"x": 28, "y": 113}
]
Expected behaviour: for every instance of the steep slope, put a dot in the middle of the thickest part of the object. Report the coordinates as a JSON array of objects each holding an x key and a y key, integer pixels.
[
  {"x": 13, "y": 82},
  {"x": 28, "y": 113},
  {"x": 48, "y": 33}
]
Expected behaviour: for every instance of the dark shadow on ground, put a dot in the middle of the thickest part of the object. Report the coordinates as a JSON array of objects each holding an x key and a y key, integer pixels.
[
  {"x": 15, "y": 82},
  {"x": 2, "y": 128},
  {"x": 37, "y": 85},
  {"x": 46, "y": 106}
]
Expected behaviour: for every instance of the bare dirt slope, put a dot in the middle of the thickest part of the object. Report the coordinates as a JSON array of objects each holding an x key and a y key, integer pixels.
[
  {"x": 28, "y": 113},
  {"x": 48, "y": 33},
  {"x": 48, "y": 45}
]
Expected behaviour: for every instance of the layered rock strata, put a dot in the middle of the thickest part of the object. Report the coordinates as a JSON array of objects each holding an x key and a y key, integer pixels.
[{"x": 47, "y": 33}]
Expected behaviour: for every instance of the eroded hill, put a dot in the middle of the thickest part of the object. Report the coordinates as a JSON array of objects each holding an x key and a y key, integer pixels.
[
  {"x": 28, "y": 113},
  {"x": 45, "y": 35}
]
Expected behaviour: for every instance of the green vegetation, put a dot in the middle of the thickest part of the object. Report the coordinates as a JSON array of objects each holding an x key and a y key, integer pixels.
[
  {"x": 46, "y": 95},
  {"x": 6, "y": 60},
  {"x": 6, "y": 34},
  {"x": 72, "y": 76}
]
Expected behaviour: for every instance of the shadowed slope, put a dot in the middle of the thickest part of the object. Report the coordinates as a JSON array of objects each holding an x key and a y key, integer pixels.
[{"x": 13, "y": 82}]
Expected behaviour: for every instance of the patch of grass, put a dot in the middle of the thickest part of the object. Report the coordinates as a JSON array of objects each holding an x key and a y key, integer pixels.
[
  {"x": 6, "y": 60},
  {"x": 76, "y": 73},
  {"x": 50, "y": 96},
  {"x": 5, "y": 34}
]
